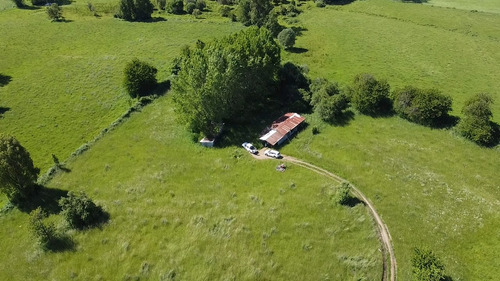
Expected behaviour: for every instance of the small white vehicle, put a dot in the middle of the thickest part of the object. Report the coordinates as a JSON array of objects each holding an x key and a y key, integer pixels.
[
  {"x": 272, "y": 153},
  {"x": 249, "y": 147}
]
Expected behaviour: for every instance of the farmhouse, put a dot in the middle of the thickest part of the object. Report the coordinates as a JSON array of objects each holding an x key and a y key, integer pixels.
[{"x": 282, "y": 129}]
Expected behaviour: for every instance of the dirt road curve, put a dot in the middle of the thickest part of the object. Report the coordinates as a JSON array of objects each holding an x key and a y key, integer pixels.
[{"x": 383, "y": 231}]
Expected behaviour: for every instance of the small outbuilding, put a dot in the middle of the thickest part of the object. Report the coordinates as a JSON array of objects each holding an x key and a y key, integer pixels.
[{"x": 282, "y": 129}]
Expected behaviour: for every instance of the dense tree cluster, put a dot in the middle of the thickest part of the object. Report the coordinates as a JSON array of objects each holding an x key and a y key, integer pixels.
[
  {"x": 476, "y": 123},
  {"x": 226, "y": 80},
  {"x": 140, "y": 78},
  {"x": 17, "y": 172},
  {"x": 425, "y": 107},
  {"x": 370, "y": 96},
  {"x": 135, "y": 10},
  {"x": 294, "y": 91}
]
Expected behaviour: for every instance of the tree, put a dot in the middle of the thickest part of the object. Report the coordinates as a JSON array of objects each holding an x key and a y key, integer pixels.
[
  {"x": 254, "y": 12},
  {"x": 425, "y": 107},
  {"x": 370, "y": 96},
  {"x": 175, "y": 6},
  {"x": 80, "y": 211},
  {"x": 54, "y": 12},
  {"x": 476, "y": 124},
  {"x": 17, "y": 172},
  {"x": 213, "y": 83},
  {"x": 287, "y": 38},
  {"x": 294, "y": 91},
  {"x": 140, "y": 78},
  {"x": 327, "y": 100},
  {"x": 426, "y": 266},
  {"x": 135, "y": 10}
]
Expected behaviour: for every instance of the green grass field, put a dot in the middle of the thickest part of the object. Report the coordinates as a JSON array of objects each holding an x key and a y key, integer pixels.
[{"x": 200, "y": 213}]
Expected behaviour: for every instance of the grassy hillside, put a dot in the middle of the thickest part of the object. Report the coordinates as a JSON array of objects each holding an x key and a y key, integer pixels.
[
  {"x": 66, "y": 78},
  {"x": 198, "y": 213},
  {"x": 489, "y": 6},
  {"x": 455, "y": 51}
]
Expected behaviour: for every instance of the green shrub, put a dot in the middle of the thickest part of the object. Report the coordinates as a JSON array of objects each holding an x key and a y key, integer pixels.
[
  {"x": 190, "y": 6},
  {"x": 426, "y": 266},
  {"x": 201, "y": 5},
  {"x": 45, "y": 234},
  {"x": 287, "y": 38},
  {"x": 197, "y": 13},
  {"x": 140, "y": 78},
  {"x": 370, "y": 96},
  {"x": 79, "y": 211},
  {"x": 328, "y": 101},
  {"x": 135, "y": 10},
  {"x": 425, "y": 107},
  {"x": 342, "y": 195},
  {"x": 225, "y": 11},
  {"x": 476, "y": 124},
  {"x": 175, "y": 6},
  {"x": 54, "y": 12}
]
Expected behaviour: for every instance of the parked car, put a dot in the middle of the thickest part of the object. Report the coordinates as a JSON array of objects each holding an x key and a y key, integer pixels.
[
  {"x": 249, "y": 147},
  {"x": 272, "y": 153}
]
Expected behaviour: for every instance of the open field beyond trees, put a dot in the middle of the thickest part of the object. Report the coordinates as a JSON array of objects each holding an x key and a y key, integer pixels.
[{"x": 178, "y": 210}]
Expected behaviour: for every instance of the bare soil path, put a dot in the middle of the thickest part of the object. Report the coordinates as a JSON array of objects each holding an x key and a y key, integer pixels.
[{"x": 383, "y": 231}]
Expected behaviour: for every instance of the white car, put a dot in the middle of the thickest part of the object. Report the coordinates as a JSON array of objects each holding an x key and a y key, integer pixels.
[
  {"x": 249, "y": 147},
  {"x": 273, "y": 153}
]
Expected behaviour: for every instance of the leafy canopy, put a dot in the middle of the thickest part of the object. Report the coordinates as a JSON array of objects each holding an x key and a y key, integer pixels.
[
  {"x": 476, "y": 124},
  {"x": 140, "y": 78},
  {"x": 370, "y": 96},
  {"x": 226, "y": 80},
  {"x": 17, "y": 172}
]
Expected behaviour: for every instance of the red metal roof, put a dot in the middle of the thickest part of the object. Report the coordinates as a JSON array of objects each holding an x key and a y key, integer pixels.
[{"x": 281, "y": 127}]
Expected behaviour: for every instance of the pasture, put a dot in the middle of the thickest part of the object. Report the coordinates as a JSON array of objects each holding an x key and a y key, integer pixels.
[{"x": 178, "y": 209}]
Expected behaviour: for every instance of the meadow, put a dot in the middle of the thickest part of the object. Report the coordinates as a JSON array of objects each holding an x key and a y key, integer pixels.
[{"x": 178, "y": 209}]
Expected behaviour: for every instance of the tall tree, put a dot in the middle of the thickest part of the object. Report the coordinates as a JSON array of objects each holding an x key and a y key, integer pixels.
[
  {"x": 17, "y": 172},
  {"x": 226, "y": 80}
]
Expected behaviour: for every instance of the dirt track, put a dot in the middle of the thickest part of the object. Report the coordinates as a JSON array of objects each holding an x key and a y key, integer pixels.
[{"x": 384, "y": 235}]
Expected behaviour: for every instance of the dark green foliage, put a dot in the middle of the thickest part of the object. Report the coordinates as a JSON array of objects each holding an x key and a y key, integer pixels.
[
  {"x": 370, "y": 96},
  {"x": 135, "y": 10},
  {"x": 426, "y": 266},
  {"x": 476, "y": 124},
  {"x": 272, "y": 24},
  {"x": 175, "y": 6},
  {"x": 197, "y": 13},
  {"x": 201, "y": 5},
  {"x": 342, "y": 195},
  {"x": 140, "y": 78},
  {"x": 254, "y": 12},
  {"x": 425, "y": 107},
  {"x": 79, "y": 210},
  {"x": 54, "y": 12},
  {"x": 287, "y": 38},
  {"x": 190, "y": 7},
  {"x": 328, "y": 101},
  {"x": 45, "y": 234},
  {"x": 19, "y": 3},
  {"x": 161, "y": 4},
  {"x": 225, "y": 11},
  {"x": 38, "y": 2},
  {"x": 17, "y": 172},
  {"x": 294, "y": 88},
  {"x": 227, "y": 80}
]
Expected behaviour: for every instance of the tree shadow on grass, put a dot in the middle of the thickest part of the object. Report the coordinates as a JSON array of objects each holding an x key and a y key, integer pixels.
[
  {"x": 446, "y": 122},
  {"x": 162, "y": 88},
  {"x": 5, "y": 79},
  {"x": 45, "y": 198},
  {"x": 297, "y": 50},
  {"x": 343, "y": 120},
  {"x": 61, "y": 243},
  {"x": 339, "y": 2},
  {"x": 3, "y": 110},
  {"x": 353, "y": 201}
]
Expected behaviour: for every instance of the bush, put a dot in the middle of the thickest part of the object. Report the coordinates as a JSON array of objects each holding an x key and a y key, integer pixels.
[
  {"x": 287, "y": 38},
  {"x": 135, "y": 10},
  {"x": 45, "y": 234},
  {"x": 196, "y": 13},
  {"x": 225, "y": 11},
  {"x": 175, "y": 6},
  {"x": 201, "y": 5},
  {"x": 190, "y": 7},
  {"x": 341, "y": 195},
  {"x": 320, "y": 3},
  {"x": 161, "y": 4},
  {"x": 476, "y": 124},
  {"x": 54, "y": 12},
  {"x": 426, "y": 266},
  {"x": 328, "y": 101},
  {"x": 370, "y": 96},
  {"x": 425, "y": 107},
  {"x": 140, "y": 78},
  {"x": 79, "y": 211}
]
